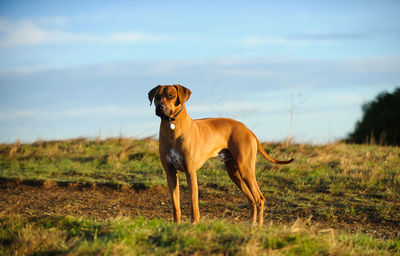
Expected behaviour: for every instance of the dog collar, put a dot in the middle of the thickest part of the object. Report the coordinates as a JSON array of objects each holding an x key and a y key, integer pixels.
[{"x": 168, "y": 118}]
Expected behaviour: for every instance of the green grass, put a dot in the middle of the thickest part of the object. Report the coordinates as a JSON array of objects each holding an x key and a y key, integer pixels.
[
  {"x": 353, "y": 188},
  {"x": 338, "y": 169},
  {"x": 73, "y": 236},
  {"x": 114, "y": 161}
]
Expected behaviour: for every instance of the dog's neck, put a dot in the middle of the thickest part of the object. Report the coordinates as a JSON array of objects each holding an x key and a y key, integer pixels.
[{"x": 175, "y": 128}]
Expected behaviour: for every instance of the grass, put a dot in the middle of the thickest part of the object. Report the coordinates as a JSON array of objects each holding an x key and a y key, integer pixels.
[
  {"x": 114, "y": 161},
  {"x": 339, "y": 169},
  {"x": 352, "y": 188},
  {"x": 80, "y": 236}
]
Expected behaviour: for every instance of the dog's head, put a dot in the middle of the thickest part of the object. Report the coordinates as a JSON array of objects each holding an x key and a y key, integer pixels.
[{"x": 168, "y": 99}]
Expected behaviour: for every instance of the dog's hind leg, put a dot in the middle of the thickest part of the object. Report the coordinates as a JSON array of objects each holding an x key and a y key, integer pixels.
[
  {"x": 248, "y": 175},
  {"x": 245, "y": 155},
  {"x": 234, "y": 174}
]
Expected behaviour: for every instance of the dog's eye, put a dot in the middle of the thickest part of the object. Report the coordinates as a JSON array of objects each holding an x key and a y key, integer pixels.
[
  {"x": 171, "y": 96},
  {"x": 158, "y": 97}
]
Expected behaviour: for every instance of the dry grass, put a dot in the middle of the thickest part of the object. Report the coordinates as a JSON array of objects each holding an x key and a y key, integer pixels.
[{"x": 72, "y": 236}]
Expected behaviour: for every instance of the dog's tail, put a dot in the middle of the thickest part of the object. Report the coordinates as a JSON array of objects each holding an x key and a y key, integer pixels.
[{"x": 268, "y": 157}]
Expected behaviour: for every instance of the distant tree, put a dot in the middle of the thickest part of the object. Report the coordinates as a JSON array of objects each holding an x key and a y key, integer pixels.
[
  {"x": 380, "y": 123},
  {"x": 294, "y": 103}
]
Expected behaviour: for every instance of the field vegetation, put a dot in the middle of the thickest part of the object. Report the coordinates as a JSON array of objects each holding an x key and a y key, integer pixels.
[{"x": 335, "y": 199}]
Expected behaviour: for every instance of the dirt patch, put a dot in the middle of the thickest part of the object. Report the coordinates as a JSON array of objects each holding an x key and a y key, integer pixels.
[
  {"x": 102, "y": 201},
  {"x": 35, "y": 199}
]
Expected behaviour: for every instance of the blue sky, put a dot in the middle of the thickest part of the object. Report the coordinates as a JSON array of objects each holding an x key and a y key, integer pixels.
[{"x": 80, "y": 68}]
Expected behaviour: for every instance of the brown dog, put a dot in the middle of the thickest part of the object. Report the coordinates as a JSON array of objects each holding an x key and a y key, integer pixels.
[{"x": 185, "y": 145}]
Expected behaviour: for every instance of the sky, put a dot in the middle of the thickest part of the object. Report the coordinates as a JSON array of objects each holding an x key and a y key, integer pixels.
[{"x": 84, "y": 68}]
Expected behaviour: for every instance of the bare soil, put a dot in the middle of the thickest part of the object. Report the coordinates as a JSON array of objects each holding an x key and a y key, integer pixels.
[
  {"x": 35, "y": 199},
  {"x": 40, "y": 199}
]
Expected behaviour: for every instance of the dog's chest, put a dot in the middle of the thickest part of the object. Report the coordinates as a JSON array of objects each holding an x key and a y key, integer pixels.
[{"x": 175, "y": 159}]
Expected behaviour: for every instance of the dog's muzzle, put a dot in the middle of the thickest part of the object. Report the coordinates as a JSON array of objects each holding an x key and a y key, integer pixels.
[{"x": 160, "y": 112}]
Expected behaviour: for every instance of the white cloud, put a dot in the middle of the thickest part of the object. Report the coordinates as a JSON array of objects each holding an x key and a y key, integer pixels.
[
  {"x": 300, "y": 40},
  {"x": 26, "y": 33},
  {"x": 380, "y": 64},
  {"x": 89, "y": 111},
  {"x": 23, "y": 70},
  {"x": 16, "y": 115}
]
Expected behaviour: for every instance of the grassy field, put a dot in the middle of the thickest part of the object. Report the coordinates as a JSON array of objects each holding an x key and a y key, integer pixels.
[
  {"x": 334, "y": 199},
  {"x": 66, "y": 235}
]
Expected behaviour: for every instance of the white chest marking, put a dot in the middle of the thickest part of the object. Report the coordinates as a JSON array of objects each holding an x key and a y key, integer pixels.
[{"x": 175, "y": 159}]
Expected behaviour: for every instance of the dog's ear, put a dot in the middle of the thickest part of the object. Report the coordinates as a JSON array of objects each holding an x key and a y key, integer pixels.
[
  {"x": 152, "y": 93},
  {"x": 183, "y": 93}
]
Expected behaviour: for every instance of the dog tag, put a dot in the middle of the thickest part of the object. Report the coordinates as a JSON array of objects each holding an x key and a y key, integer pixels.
[{"x": 172, "y": 126}]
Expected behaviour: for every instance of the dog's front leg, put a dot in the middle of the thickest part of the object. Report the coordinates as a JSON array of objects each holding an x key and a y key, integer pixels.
[
  {"x": 173, "y": 185},
  {"x": 194, "y": 192}
]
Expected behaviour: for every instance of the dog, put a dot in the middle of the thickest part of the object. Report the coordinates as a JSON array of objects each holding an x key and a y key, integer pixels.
[{"x": 185, "y": 145}]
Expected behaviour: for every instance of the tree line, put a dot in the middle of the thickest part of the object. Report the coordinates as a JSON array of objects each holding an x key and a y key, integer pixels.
[{"x": 380, "y": 123}]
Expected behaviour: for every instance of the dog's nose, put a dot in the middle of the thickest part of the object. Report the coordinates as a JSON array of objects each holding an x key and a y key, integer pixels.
[{"x": 160, "y": 107}]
